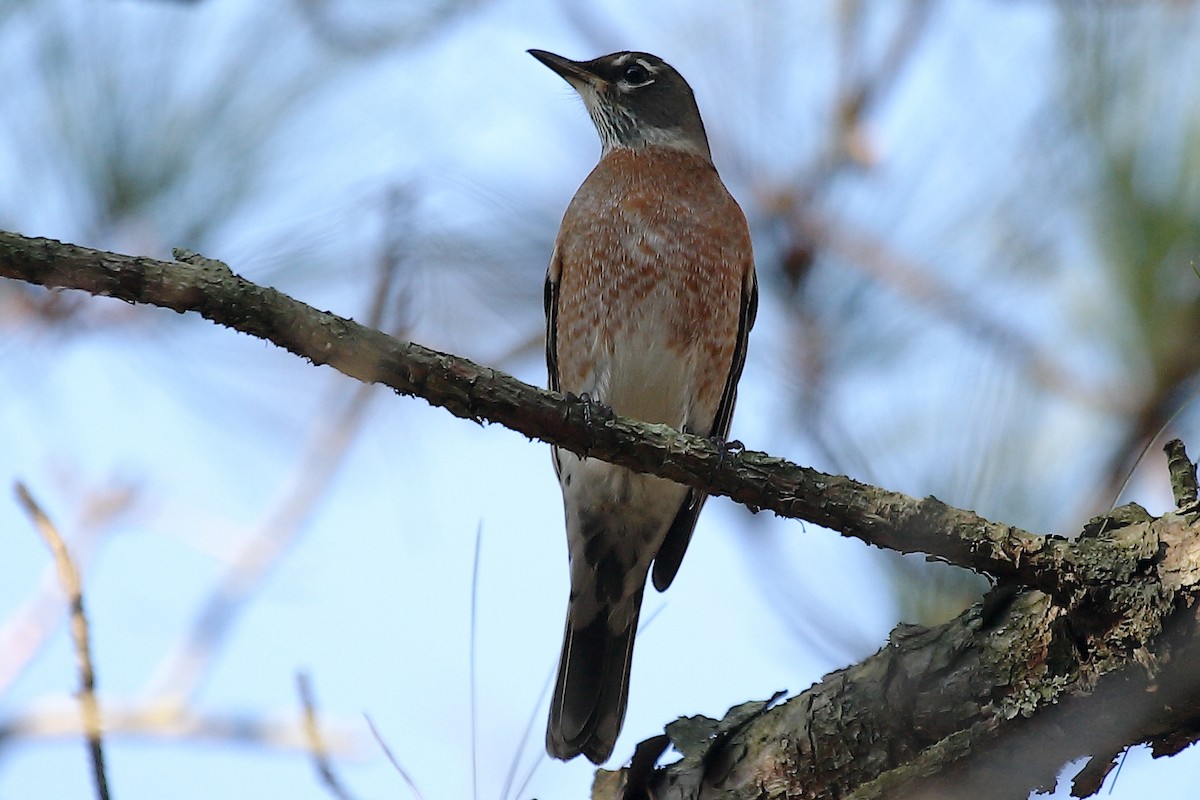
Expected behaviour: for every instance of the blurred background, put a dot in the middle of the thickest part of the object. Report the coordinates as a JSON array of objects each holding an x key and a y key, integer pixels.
[{"x": 977, "y": 228}]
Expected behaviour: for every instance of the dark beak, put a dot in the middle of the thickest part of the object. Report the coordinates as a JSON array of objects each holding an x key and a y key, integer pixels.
[{"x": 573, "y": 72}]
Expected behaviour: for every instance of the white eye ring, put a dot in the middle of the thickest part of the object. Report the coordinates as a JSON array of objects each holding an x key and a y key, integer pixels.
[{"x": 637, "y": 74}]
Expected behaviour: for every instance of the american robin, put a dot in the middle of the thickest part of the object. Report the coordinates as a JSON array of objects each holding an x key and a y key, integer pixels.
[{"x": 650, "y": 296}]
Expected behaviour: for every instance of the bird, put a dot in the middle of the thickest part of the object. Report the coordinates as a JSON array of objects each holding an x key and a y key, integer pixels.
[{"x": 650, "y": 296}]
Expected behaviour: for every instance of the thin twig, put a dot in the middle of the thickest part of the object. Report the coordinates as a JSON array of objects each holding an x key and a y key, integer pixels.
[
  {"x": 161, "y": 722},
  {"x": 316, "y": 742},
  {"x": 25, "y": 632},
  {"x": 898, "y": 53},
  {"x": 387, "y": 751},
  {"x": 69, "y": 577}
]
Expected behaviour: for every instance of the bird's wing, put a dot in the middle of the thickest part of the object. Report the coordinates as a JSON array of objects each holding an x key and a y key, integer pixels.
[
  {"x": 746, "y": 316},
  {"x": 670, "y": 554},
  {"x": 550, "y": 303}
]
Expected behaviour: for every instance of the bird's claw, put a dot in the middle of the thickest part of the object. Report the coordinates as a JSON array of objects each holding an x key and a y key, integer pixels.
[
  {"x": 594, "y": 406},
  {"x": 726, "y": 449},
  {"x": 593, "y": 410}
]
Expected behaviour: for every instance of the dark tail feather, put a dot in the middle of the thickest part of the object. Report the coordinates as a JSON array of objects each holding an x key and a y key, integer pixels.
[{"x": 593, "y": 688}]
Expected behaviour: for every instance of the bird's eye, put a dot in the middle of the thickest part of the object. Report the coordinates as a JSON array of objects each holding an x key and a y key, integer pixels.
[{"x": 636, "y": 74}]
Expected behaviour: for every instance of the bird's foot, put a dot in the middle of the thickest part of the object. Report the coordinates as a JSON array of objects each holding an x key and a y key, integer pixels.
[
  {"x": 593, "y": 410},
  {"x": 600, "y": 410},
  {"x": 726, "y": 449}
]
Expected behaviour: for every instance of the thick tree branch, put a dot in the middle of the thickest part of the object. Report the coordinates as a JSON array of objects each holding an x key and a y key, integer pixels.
[
  {"x": 989, "y": 705},
  {"x": 468, "y": 390}
]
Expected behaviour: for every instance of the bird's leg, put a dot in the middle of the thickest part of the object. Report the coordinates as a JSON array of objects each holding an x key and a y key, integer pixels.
[
  {"x": 724, "y": 449},
  {"x": 593, "y": 406},
  {"x": 587, "y": 418},
  {"x": 731, "y": 450}
]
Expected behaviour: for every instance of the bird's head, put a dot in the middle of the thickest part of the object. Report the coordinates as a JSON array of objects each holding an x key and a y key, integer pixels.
[{"x": 636, "y": 100}]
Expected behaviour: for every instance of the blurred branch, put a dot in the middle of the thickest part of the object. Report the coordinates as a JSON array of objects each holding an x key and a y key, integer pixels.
[
  {"x": 183, "y": 671},
  {"x": 160, "y": 721},
  {"x": 465, "y": 389},
  {"x": 366, "y": 32},
  {"x": 1131, "y": 145},
  {"x": 955, "y": 307},
  {"x": 316, "y": 742},
  {"x": 25, "y": 632},
  {"x": 69, "y": 577},
  {"x": 860, "y": 88}
]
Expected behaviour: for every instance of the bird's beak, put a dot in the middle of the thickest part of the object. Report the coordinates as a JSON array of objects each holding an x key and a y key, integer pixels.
[{"x": 573, "y": 72}]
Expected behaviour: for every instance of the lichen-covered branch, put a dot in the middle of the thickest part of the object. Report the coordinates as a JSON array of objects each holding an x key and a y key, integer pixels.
[{"x": 879, "y": 517}]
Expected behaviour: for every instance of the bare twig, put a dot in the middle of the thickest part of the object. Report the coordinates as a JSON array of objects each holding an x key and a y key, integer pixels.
[
  {"x": 875, "y": 85},
  {"x": 69, "y": 577},
  {"x": 25, "y": 632},
  {"x": 158, "y": 721},
  {"x": 316, "y": 742}
]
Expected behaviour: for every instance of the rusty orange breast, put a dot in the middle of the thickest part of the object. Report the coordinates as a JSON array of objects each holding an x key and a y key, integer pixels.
[{"x": 652, "y": 259}]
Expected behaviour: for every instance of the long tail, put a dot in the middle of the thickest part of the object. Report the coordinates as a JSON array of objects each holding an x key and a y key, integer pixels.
[{"x": 593, "y": 686}]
